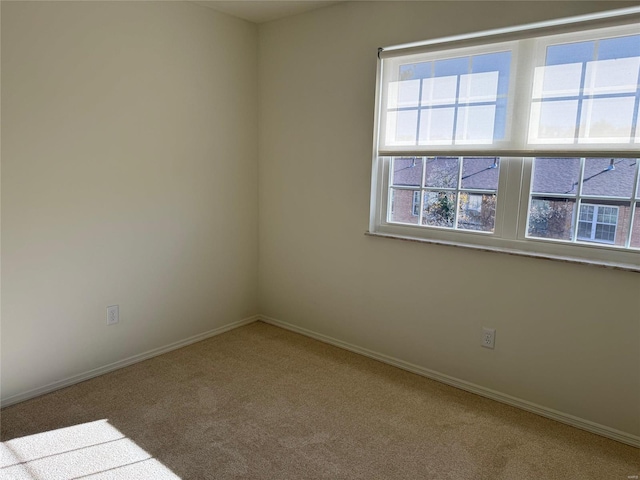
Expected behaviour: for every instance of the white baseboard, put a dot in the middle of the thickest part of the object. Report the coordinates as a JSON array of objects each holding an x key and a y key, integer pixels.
[
  {"x": 577, "y": 422},
  {"x": 36, "y": 392}
]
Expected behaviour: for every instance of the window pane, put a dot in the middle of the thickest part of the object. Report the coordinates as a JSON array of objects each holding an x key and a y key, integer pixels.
[
  {"x": 612, "y": 76},
  {"x": 475, "y": 124},
  {"x": 403, "y": 206},
  {"x": 480, "y": 173},
  {"x": 619, "y": 47},
  {"x": 436, "y": 126},
  {"x": 403, "y": 94},
  {"x": 584, "y": 230},
  {"x": 602, "y": 221},
  {"x": 407, "y": 171},
  {"x": 493, "y": 62},
  {"x": 607, "y": 119},
  {"x": 442, "y": 172},
  {"x": 557, "y": 81},
  {"x": 605, "y": 177},
  {"x": 500, "y": 63},
  {"x": 605, "y": 233},
  {"x": 551, "y": 218},
  {"x": 402, "y": 127},
  {"x": 607, "y": 215},
  {"x": 452, "y": 66},
  {"x": 478, "y": 87},
  {"x": 439, "y": 91},
  {"x": 439, "y": 209},
  {"x": 587, "y": 213},
  {"x": 556, "y": 175},
  {"x": 477, "y": 212},
  {"x": 553, "y": 121},
  {"x": 410, "y": 71},
  {"x": 570, "y": 52}
]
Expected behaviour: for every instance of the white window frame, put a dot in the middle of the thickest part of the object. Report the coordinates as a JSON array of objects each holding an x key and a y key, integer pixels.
[{"x": 515, "y": 177}]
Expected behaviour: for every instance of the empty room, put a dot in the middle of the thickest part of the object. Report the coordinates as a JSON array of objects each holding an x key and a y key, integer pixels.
[{"x": 320, "y": 240}]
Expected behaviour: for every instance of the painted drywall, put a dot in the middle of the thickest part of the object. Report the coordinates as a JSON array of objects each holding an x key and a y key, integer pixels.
[
  {"x": 129, "y": 177},
  {"x": 567, "y": 335}
]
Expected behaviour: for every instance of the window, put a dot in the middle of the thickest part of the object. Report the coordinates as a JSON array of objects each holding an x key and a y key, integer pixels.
[
  {"x": 524, "y": 139},
  {"x": 597, "y": 223}
]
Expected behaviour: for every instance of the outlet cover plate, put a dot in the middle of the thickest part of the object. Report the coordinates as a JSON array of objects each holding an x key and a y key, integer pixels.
[
  {"x": 488, "y": 337},
  {"x": 113, "y": 314}
]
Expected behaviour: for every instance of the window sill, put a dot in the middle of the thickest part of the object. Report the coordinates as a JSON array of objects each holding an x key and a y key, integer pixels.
[{"x": 508, "y": 251}]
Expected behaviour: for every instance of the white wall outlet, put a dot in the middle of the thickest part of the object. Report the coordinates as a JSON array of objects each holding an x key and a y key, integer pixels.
[
  {"x": 488, "y": 337},
  {"x": 113, "y": 315}
]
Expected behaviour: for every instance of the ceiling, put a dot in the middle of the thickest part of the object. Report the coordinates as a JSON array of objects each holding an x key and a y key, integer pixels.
[{"x": 264, "y": 10}]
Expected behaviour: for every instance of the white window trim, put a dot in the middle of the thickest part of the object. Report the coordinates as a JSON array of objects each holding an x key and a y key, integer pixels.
[{"x": 515, "y": 171}]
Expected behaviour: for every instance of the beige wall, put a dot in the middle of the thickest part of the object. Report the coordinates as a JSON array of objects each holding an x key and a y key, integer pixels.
[
  {"x": 129, "y": 176},
  {"x": 567, "y": 335}
]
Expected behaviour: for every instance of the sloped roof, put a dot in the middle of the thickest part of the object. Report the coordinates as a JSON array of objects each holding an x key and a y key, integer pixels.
[
  {"x": 479, "y": 173},
  {"x": 602, "y": 177}
]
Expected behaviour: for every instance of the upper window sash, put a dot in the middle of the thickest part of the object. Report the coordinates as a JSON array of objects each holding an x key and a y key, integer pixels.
[
  {"x": 455, "y": 100},
  {"x": 526, "y": 97},
  {"x": 586, "y": 91}
]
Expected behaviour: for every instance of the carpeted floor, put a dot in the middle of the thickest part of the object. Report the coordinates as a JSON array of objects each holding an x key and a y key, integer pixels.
[{"x": 261, "y": 402}]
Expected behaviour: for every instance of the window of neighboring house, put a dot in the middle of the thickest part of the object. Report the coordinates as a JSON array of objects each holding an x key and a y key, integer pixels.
[
  {"x": 524, "y": 140},
  {"x": 597, "y": 223},
  {"x": 415, "y": 205}
]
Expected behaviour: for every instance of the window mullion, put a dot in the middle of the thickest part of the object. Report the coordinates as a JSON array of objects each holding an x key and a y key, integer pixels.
[
  {"x": 515, "y": 188},
  {"x": 632, "y": 215},
  {"x": 385, "y": 191},
  {"x": 594, "y": 222},
  {"x": 634, "y": 194},
  {"x": 517, "y": 197},
  {"x": 520, "y": 88},
  {"x": 576, "y": 219},
  {"x": 422, "y": 191},
  {"x": 457, "y": 193}
]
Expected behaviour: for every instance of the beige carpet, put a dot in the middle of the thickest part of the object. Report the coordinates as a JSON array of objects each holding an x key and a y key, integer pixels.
[{"x": 261, "y": 402}]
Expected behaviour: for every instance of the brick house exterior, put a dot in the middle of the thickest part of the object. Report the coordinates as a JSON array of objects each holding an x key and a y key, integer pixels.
[
  {"x": 604, "y": 214},
  {"x": 478, "y": 173}
]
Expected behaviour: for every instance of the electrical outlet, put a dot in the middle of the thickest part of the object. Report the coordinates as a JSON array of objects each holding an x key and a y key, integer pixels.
[
  {"x": 113, "y": 315},
  {"x": 488, "y": 337}
]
